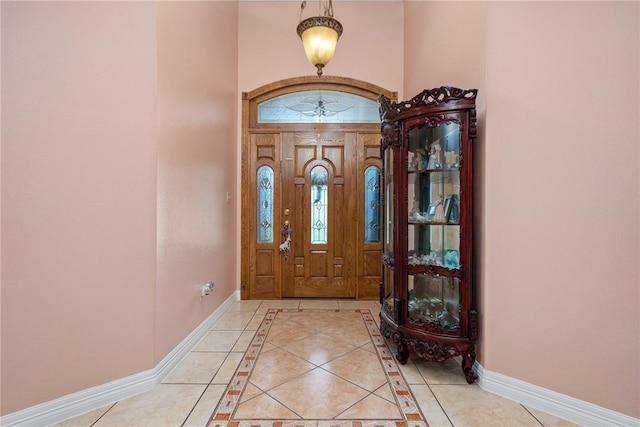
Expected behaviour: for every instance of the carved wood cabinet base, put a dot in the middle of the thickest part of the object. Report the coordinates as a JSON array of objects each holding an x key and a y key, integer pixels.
[{"x": 431, "y": 350}]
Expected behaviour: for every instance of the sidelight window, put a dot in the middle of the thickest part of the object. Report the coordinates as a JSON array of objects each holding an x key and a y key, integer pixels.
[
  {"x": 372, "y": 204},
  {"x": 265, "y": 204}
]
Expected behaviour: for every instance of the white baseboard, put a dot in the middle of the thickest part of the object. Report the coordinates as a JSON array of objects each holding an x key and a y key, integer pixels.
[
  {"x": 553, "y": 403},
  {"x": 97, "y": 397},
  {"x": 172, "y": 359}
]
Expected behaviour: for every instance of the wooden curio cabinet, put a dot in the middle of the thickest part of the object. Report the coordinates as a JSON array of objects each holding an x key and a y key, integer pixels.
[{"x": 427, "y": 294}]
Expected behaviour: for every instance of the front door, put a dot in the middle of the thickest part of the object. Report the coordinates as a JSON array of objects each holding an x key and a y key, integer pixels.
[
  {"x": 310, "y": 206},
  {"x": 320, "y": 196}
]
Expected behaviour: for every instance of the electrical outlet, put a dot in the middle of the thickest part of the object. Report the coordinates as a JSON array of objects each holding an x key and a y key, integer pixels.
[{"x": 206, "y": 289}]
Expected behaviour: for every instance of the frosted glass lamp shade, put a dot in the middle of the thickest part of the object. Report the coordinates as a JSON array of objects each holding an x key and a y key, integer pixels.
[{"x": 319, "y": 36}]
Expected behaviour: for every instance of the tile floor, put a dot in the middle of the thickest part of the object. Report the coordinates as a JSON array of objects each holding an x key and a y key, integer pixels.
[{"x": 317, "y": 375}]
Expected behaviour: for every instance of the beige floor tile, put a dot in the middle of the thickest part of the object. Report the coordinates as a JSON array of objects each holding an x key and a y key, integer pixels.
[
  {"x": 352, "y": 334},
  {"x": 198, "y": 367},
  {"x": 385, "y": 392},
  {"x": 250, "y": 391},
  {"x": 429, "y": 406},
  {"x": 205, "y": 406},
  {"x": 267, "y": 346},
  {"x": 255, "y": 322},
  {"x": 228, "y": 368},
  {"x": 84, "y": 420},
  {"x": 469, "y": 405},
  {"x": 392, "y": 346},
  {"x": 319, "y": 304},
  {"x": 359, "y": 367},
  {"x": 447, "y": 372},
  {"x": 166, "y": 405},
  {"x": 411, "y": 373},
  {"x": 358, "y": 304},
  {"x": 243, "y": 342},
  {"x": 284, "y": 332},
  {"x": 372, "y": 407},
  {"x": 285, "y": 304},
  {"x": 264, "y": 406},
  {"x": 303, "y": 394},
  {"x": 376, "y": 318},
  {"x": 218, "y": 341},
  {"x": 368, "y": 347},
  {"x": 293, "y": 387},
  {"x": 318, "y": 348},
  {"x": 318, "y": 321},
  {"x": 245, "y": 305},
  {"x": 233, "y": 321},
  {"x": 549, "y": 420},
  {"x": 276, "y": 367},
  {"x": 364, "y": 423}
]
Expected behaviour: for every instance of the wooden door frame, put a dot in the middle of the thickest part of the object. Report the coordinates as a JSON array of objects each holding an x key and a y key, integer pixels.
[{"x": 250, "y": 126}]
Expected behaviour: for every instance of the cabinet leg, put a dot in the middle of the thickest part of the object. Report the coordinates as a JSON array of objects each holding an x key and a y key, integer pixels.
[
  {"x": 403, "y": 352},
  {"x": 468, "y": 359}
]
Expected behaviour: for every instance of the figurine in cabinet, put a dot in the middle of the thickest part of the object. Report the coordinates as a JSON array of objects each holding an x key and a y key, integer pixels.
[
  {"x": 439, "y": 216},
  {"x": 413, "y": 163},
  {"x": 435, "y": 156}
]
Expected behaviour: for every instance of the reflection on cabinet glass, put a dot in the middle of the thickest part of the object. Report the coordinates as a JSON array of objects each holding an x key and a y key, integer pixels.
[
  {"x": 427, "y": 293},
  {"x": 389, "y": 198}
]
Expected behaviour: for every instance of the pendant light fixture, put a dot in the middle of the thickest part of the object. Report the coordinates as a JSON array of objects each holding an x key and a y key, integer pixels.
[{"x": 319, "y": 34}]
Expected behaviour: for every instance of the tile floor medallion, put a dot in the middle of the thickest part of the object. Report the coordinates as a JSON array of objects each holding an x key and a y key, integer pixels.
[{"x": 321, "y": 358}]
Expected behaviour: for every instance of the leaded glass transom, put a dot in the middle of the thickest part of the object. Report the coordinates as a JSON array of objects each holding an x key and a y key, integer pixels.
[
  {"x": 265, "y": 204},
  {"x": 372, "y": 204},
  {"x": 318, "y": 106},
  {"x": 319, "y": 205}
]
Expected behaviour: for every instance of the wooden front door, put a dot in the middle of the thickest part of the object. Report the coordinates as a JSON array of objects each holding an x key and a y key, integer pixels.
[
  {"x": 305, "y": 217},
  {"x": 319, "y": 193}
]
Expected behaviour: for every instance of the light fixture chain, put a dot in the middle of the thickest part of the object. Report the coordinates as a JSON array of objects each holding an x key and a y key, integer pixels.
[
  {"x": 328, "y": 9},
  {"x": 302, "y": 6}
]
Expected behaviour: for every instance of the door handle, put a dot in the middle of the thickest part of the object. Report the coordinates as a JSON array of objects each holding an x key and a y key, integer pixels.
[{"x": 285, "y": 246}]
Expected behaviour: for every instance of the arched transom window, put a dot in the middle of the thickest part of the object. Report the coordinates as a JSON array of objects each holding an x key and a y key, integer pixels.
[{"x": 318, "y": 106}]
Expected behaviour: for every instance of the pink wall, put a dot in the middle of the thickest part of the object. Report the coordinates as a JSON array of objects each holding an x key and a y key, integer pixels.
[
  {"x": 197, "y": 101},
  {"x": 118, "y": 118},
  {"x": 78, "y": 196},
  {"x": 113, "y": 190},
  {"x": 562, "y": 176},
  {"x": 560, "y": 215},
  {"x": 270, "y": 49},
  {"x": 0, "y": 230}
]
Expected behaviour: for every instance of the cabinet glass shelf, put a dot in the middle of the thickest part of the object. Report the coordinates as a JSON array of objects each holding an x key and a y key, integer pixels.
[
  {"x": 434, "y": 245},
  {"x": 434, "y": 197},
  {"x": 434, "y": 299}
]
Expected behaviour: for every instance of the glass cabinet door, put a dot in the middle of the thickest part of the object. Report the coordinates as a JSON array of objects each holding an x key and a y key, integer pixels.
[
  {"x": 388, "y": 204},
  {"x": 433, "y": 224},
  {"x": 389, "y": 232}
]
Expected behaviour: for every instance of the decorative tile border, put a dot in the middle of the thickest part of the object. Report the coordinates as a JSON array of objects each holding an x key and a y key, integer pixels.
[{"x": 223, "y": 414}]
